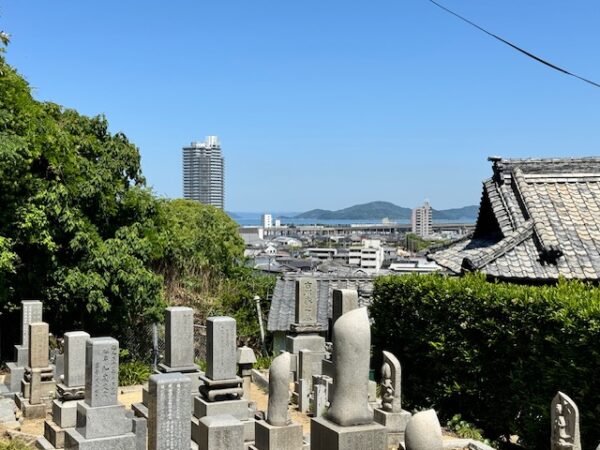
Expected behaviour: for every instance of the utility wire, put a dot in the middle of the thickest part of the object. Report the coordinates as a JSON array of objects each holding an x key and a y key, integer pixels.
[{"x": 519, "y": 49}]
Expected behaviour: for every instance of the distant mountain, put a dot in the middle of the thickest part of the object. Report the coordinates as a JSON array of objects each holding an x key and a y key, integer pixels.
[
  {"x": 379, "y": 210},
  {"x": 372, "y": 210}
]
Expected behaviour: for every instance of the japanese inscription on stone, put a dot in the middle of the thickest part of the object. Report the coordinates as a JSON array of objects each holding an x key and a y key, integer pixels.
[
  {"x": 306, "y": 301},
  {"x": 102, "y": 371},
  {"x": 31, "y": 311},
  {"x": 221, "y": 348}
]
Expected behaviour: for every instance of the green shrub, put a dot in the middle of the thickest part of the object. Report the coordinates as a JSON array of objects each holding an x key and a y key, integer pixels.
[
  {"x": 495, "y": 352},
  {"x": 16, "y": 444},
  {"x": 133, "y": 372}
]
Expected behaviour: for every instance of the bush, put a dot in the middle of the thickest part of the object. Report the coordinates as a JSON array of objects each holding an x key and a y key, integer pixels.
[
  {"x": 133, "y": 372},
  {"x": 16, "y": 444},
  {"x": 495, "y": 352}
]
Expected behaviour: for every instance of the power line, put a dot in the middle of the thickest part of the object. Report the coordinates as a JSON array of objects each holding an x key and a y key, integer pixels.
[{"x": 515, "y": 47}]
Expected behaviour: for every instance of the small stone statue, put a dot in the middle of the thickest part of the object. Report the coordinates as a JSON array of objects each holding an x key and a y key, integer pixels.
[
  {"x": 387, "y": 390},
  {"x": 565, "y": 424}
]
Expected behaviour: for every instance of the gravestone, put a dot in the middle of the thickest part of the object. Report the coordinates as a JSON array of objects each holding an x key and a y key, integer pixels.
[
  {"x": 391, "y": 415},
  {"x": 220, "y": 432},
  {"x": 169, "y": 412},
  {"x": 221, "y": 391},
  {"x": 344, "y": 300},
  {"x": 68, "y": 392},
  {"x": 309, "y": 364},
  {"x": 565, "y": 423},
  {"x": 102, "y": 422},
  {"x": 31, "y": 311},
  {"x": 304, "y": 335},
  {"x": 179, "y": 354},
  {"x": 245, "y": 361},
  {"x": 348, "y": 423},
  {"x": 320, "y": 395},
  {"x": 278, "y": 432},
  {"x": 37, "y": 388},
  {"x": 424, "y": 432}
]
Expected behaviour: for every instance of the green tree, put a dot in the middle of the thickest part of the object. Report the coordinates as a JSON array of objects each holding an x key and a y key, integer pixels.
[{"x": 77, "y": 225}]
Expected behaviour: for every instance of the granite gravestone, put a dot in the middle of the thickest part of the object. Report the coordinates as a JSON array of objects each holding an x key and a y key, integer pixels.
[
  {"x": 221, "y": 391},
  {"x": 169, "y": 412},
  {"x": 68, "y": 392},
  {"x": 179, "y": 354},
  {"x": 102, "y": 421},
  {"x": 343, "y": 301},
  {"x": 31, "y": 311},
  {"x": 38, "y": 386}
]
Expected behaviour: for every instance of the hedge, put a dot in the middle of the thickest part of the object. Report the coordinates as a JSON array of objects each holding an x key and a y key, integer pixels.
[{"x": 496, "y": 353}]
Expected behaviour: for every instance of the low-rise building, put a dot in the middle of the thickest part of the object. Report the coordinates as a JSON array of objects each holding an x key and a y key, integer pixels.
[{"x": 369, "y": 255}]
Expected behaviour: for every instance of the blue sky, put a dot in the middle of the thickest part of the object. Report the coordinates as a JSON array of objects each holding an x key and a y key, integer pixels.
[{"x": 321, "y": 104}]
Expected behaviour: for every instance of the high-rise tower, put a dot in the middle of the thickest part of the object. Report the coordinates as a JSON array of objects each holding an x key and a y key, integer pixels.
[{"x": 203, "y": 172}]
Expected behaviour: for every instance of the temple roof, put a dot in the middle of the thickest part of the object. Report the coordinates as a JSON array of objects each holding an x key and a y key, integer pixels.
[{"x": 539, "y": 219}]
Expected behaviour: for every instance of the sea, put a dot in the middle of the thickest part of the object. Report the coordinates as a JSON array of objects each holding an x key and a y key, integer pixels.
[{"x": 287, "y": 218}]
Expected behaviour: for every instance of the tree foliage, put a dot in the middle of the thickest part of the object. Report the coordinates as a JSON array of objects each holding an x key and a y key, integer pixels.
[
  {"x": 80, "y": 230},
  {"x": 76, "y": 223}
]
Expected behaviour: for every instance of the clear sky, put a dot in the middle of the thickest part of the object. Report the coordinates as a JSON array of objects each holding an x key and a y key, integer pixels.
[{"x": 321, "y": 103}]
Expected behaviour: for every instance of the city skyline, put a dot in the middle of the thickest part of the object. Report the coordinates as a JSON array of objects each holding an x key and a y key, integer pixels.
[{"x": 304, "y": 97}]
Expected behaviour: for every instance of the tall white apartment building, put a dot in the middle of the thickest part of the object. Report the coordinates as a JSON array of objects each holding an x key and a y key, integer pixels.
[
  {"x": 203, "y": 172},
  {"x": 422, "y": 221}
]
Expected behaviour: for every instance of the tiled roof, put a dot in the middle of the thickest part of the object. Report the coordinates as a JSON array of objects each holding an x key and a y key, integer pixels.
[
  {"x": 539, "y": 220},
  {"x": 282, "y": 310}
]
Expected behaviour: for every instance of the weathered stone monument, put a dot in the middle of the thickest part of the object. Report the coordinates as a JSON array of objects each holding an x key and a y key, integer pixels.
[
  {"x": 348, "y": 424},
  {"x": 102, "y": 422},
  {"x": 220, "y": 432},
  {"x": 391, "y": 415},
  {"x": 305, "y": 339},
  {"x": 565, "y": 423},
  {"x": 424, "y": 432},
  {"x": 69, "y": 391},
  {"x": 31, "y": 311},
  {"x": 179, "y": 354},
  {"x": 343, "y": 301},
  {"x": 169, "y": 412},
  {"x": 278, "y": 432},
  {"x": 37, "y": 388},
  {"x": 305, "y": 330},
  {"x": 319, "y": 398},
  {"x": 245, "y": 361},
  {"x": 221, "y": 391}
]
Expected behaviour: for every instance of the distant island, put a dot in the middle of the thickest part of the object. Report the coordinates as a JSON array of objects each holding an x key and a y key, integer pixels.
[{"x": 380, "y": 210}]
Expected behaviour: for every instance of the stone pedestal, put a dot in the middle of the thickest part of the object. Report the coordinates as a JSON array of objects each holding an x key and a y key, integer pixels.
[
  {"x": 326, "y": 435},
  {"x": 221, "y": 432},
  {"x": 239, "y": 409},
  {"x": 269, "y": 437},
  {"x": 14, "y": 377},
  {"x": 312, "y": 342},
  {"x": 394, "y": 423}
]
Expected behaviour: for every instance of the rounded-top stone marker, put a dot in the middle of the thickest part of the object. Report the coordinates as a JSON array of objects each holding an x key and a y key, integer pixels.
[
  {"x": 423, "y": 432},
  {"x": 351, "y": 358},
  {"x": 279, "y": 392}
]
